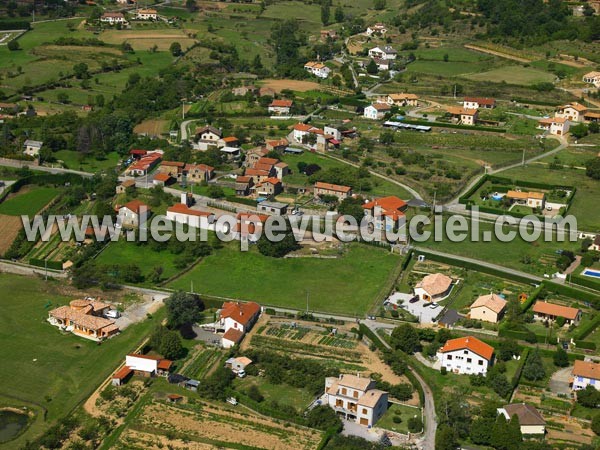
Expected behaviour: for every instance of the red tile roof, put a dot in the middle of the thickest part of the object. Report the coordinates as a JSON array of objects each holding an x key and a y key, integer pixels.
[
  {"x": 240, "y": 312},
  {"x": 281, "y": 103},
  {"x": 302, "y": 127},
  {"x": 257, "y": 172},
  {"x": 172, "y": 163},
  {"x": 233, "y": 335},
  {"x": 555, "y": 310},
  {"x": 230, "y": 139},
  {"x": 481, "y": 100},
  {"x": 165, "y": 364},
  {"x": 162, "y": 177},
  {"x": 470, "y": 343},
  {"x": 332, "y": 187},
  {"x": 265, "y": 160},
  {"x": 273, "y": 181},
  {"x": 135, "y": 206},
  {"x": 586, "y": 369},
  {"x": 391, "y": 206},
  {"x": 123, "y": 373},
  {"x": 180, "y": 208}
]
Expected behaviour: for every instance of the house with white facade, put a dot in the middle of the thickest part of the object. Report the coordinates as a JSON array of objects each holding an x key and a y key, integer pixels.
[
  {"x": 543, "y": 310},
  {"x": 466, "y": 355},
  {"x": 463, "y": 116},
  {"x": 142, "y": 365},
  {"x": 236, "y": 319},
  {"x": 402, "y": 99},
  {"x": 385, "y": 52},
  {"x": 559, "y": 126},
  {"x": 531, "y": 421},
  {"x": 584, "y": 374},
  {"x": 146, "y": 14},
  {"x": 479, "y": 102},
  {"x": 181, "y": 213},
  {"x": 113, "y": 18},
  {"x": 433, "y": 287},
  {"x": 355, "y": 398},
  {"x": 280, "y": 107},
  {"x": 377, "y": 29},
  {"x": 387, "y": 213},
  {"x": 592, "y": 78},
  {"x": 207, "y": 136},
  {"x": 376, "y": 111},
  {"x": 32, "y": 148},
  {"x": 134, "y": 213},
  {"x": 573, "y": 112},
  {"x": 317, "y": 69},
  {"x": 531, "y": 199}
]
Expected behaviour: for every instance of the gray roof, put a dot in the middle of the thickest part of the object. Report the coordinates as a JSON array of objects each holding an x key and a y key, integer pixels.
[
  {"x": 416, "y": 203},
  {"x": 32, "y": 143},
  {"x": 293, "y": 150},
  {"x": 194, "y": 383},
  {"x": 230, "y": 150},
  {"x": 277, "y": 205}
]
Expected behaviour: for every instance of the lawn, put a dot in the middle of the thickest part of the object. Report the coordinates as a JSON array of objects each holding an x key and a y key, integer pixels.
[
  {"x": 28, "y": 202},
  {"x": 449, "y": 69},
  {"x": 281, "y": 393},
  {"x": 513, "y": 75},
  {"x": 122, "y": 253},
  {"x": 348, "y": 285},
  {"x": 73, "y": 160},
  {"x": 397, "y": 410},
  {"x": 41, "y": 365}
]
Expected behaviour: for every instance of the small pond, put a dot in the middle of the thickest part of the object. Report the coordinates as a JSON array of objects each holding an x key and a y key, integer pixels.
[{"x": 11, "y": 424}]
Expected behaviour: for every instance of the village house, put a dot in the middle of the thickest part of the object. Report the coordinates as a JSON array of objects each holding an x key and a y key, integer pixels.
[
  {"x": 275, "y": 208},
  {"x": 387, "y": 212},
  {"x": 573, "y": 112},
  {"x": 182, "y": 213},
  {"x": 463, "y": 116},
  {"x": 382, "y": 64},
  {"x": 355, "y": 398},
  {"x": 142, "y": 365},
  {"x": 228, "y": 141},
  {"x": 32, "y": 148},
  {"x": 276, "y": 145},
  {"x": 378, "y": 28},
  {"x": 376, "y": 111},
  {"x": 591, "y": 116},
  {"x": 543, "y": 310},
  {"x": 243, "y": 185},
  {"x": 559, "y": 126},
  {"x": 335, "y": 190},
  {"x": 530, "y": 419},
  {"x": 172, "y": 168},
  {"x": 531, "y": 199},
  {"x": 231, "y": 152},
  {"x": 146, "y": 14},
  {"x": 134, "y": 213},
  {"x": 236, "y": 319},
  {"x": 281, "y": 170},
  {"x": 207, "y": 136},
  {"x": 244, "y": 90},
  {"x": 386, "y": 52},
  {"x": 466, "y": 355},
  {"x": 8, "y": 109},
  {"x": 301, "y": 130},
  {"x": 317, "y": 69},
  {"x": 280, "y": 107},
  {"x": 257, "y": 175},
  {"x": 198, "y": 173},
  {"x": 144, "y": 165},
  {"x": 238, "y": 364},
  {"x": 434, "y": 287},
  {"x": 328, "y": 34},
  {"x": 113, "y": 18},
  {"x": 593, "y": 78},
  {"x": 584, "y": 374},
  {"x": 124, "y": 185},
  {"x": 595, "y": 245},
  {"x": 479, "y": 102},
  {"x": 333, "y": 132},
  {"x": 488, "y": 308},
  {"x": 162, "y": 179},
  {"x": 269, "y": 187},
  {"x": 254, "y": 154},
  {"x": 402, "y": 99},
  {"x": 85, "y": 318}
]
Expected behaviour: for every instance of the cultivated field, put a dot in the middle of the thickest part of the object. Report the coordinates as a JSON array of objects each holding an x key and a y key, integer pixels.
[
  {"x": 28, "y": 200},
  {"x": 208, "y": 425},
  {"x": 294, "y": 85},
  {"x": 152, "y": 127},
  {"x": 513, "y": 75},
  {"x": 9, "y": 229}
]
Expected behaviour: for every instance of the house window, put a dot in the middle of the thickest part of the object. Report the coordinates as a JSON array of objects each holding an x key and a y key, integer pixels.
[
  {"x": 449, "y": 357},
  {"x": 355, "y": 394},
  {"x": 344, "y": 391},
  {"x": 466, "y": 352},
  {"x": 469, "y": 360},
  {"x": 592, "y": 381},
  {"x": 480, "y": 362},
  {"x": 364, "y": 410}
]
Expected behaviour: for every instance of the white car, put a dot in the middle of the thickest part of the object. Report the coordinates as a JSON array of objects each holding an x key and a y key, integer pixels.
[{"x": 433, "y": 306}]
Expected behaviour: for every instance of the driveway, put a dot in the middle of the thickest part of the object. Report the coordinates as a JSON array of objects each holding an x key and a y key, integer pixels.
[
  {"x": 139, "y": 311},
  {"x": 559, "y": 381},
  {"x": 421, "y": 310},
  {"x": 206, "y": 336}
]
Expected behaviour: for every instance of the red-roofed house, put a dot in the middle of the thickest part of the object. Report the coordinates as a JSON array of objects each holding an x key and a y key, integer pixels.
[
  {"x": 162, "y": 179},
  {"x": 388, "y": 212},
  {"x": 466, "y": 355},
  {"x": 257, "y": 174},
  {"x": 194, "y": 218},
  {"x": 197, "y": 173},
  {"x": 236, "y": 319},
  {"x": 144, "y": 165},
  {"x": 543, "y": 310},
  {"x": 341, "y": 192},
  {"x": 280, "y": 107},
  {"x": 134, "y": 213},
  {"x": 277, "y": 145},
  {"x": 148, "y": 365},
  {"x": 269, "y": 187},
  {"x": 479, "y": 102},
  {"x": 376, "y": 111},
  {"x": 229, "y": 141},
  {"x": 243, "y": 184}
]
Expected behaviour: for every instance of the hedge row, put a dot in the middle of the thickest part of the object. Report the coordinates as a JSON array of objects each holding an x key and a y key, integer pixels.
[
  {"x": 54, "y": 265},
  {"x": 14, "y": 25},
  {"x": 526, "y": 336},
  {"x": 453, "y": 125},
  {"x": 585, "y": 344},
  {"x": 531, "y": 184},
  {"x": 478, "y": 267},
  {"x": 582, "y": 280},
  {"x": 572, "y": 292},
  {"x": 532, "y": 298},
  {"x": 585, "y": 330},
  {"x": 490, "y": 210},
  {"x": 517, "y": 376}
]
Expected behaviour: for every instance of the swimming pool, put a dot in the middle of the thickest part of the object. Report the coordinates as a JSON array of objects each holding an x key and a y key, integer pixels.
[{"x": 591, "y": 273}]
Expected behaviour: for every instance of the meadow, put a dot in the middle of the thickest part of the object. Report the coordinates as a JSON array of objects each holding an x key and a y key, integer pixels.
[
  {"x": 346, "y": 285},
  {"x": 513, "y": 74},
  {"x": 44, "y": 368},
  {"x": 28, "y": 201},
  {"x": 73, "y": 160}
]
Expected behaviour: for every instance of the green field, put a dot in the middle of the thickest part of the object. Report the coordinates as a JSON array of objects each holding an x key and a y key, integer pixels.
[
  {"x": 513, "y": 75},
  {"x": 397, "y": 410},
  {"x": 30, "y": 202},
  {"x": 281, "y": 393},
  {"x": 348, "y": 285},
  {"x": 44, "y": 368},
  {"x": 449, "y": 68},
  {"x": 73, "y": 160}
]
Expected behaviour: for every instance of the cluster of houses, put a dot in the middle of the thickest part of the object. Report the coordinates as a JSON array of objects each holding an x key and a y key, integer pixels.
[
  {"x": 318, "y": 69},
  {"x": 378, "y": 109},
  {"x": 468, "y": 113},
  {"x": 144, "y": 162},
  {"x": 565, "y": 115},
  {"x": 171, "y": 171},
  {"x": 318, "y": 139},
  {"x": 118, "y": 18},
  {"x": 211, "y": 137},
  {"x": 88, "y": 318},
  {"x": 383, "y": 56},
  {"x": 263, "y": 176}
]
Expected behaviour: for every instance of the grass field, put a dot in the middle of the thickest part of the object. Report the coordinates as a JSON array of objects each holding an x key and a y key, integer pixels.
[
  {"x": 43, "y": 366},
  {"x": 28, "y": 201},
  {"x": 397, "y": 410},
  {"x": 72, "y": 160},
  {"x": 281, "y": 393},
  {"x": 513, "y": 75},
  {"x": 345, "y": 285},
  {"x": 450, "y": 68}
]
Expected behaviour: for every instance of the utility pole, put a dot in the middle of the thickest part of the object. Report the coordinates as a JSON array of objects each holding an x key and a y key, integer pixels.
[
  {"x": 192, "y": 286},
  {"x": 46, "y": 269},
  {"x": 523, "y": 162},
  {"x": 455, "y": 91},
  {"x": 307, "y": 295}
]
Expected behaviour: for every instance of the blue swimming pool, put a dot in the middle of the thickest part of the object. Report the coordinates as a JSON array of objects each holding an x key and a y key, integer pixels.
[{"x": 592, "y": 273}]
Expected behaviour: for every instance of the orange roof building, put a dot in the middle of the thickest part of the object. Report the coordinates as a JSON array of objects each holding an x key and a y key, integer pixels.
[
  {"x": 551, "y": 311},
  {"x": 583, "y": 373},
  {"x": 466, "y": 355}
]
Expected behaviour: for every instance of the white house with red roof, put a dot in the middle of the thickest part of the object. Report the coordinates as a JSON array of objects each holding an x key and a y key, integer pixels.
[
  {"x": 387, "y": 212},
  {"x": 145, "y": 164},
  {"x": 376, "y": 111},
  {"x": 584, "y": 374},
  {"x": 142, "y": 365},
  {"x": 236, "y": 319},
  {"x": 133, "y": 213},
  {"x": 466, "y": 355},
  {"x": 558, "y": 126},
  {"x": 181, "y": 213},
  {"x": 280, "y": 107},
  {"x": 479, "y": 102},
  {"x": 573, "y": 111},
  {"x": 355, "y": 398}
]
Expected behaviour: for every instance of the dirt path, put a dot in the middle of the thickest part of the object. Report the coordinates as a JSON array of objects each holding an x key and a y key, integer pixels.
[{"x": 496, "y": 53}]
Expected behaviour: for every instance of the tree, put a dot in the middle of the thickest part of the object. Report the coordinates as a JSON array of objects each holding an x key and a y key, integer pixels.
[
  {"x": 352, "y": 206},
  {"x": 378, "y": 5},
  {"x": 500, "y": 438},
  {"x": 325, "y": 13},
  {"x": 445, "y": 438},
  {"x": 415, "y": 424},
  {"x": 170, "y": 345},
  {"x": 255, "y": 394},
  {"x": 588, "y": 397},
  {"x": 214, "y": 191},
  {"x": 13, "y": 45},
  {"x": 323, "y": 418},
  {"x": 596, "y": 424},
  {"x": 372, "y": 67},
  {"x": 498, "y": 382},
  {"x": 405, "y": 338},
  {"x": 579, "y": 131},
  {"x": 533, "y": 369},
  {"x": 386, "y": 138},
  {"x": 481, "y": 431},
  {"x": 191, "y": 5},
  {"x": 507, "y": 349},
  {"x": 175, "y": 49},
  {"x": 339, "y": 14},
  {"x": 592, "y": 168},
  {"x": 81, "y": 71},
  {"x": 156, "y": 274},
  {"x": 62, "y": 97},
  {"x": 183, "y": 309},
  {"x": 278, "y": 249},
  {"x": 446, "y": 57},
  {"x": 560, "y": 358}
]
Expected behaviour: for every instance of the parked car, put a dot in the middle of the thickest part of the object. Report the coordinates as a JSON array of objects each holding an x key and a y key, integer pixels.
[
  {"x": 433, "y": 305},
  {"x": 414, "y": 300}
]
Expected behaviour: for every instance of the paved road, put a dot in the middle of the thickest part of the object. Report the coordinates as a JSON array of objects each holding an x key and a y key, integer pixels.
[
  {"x": 54, "y": 170},
  {"x": 26, "y": 269},
  {"x": 184, "y": 124}
]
